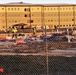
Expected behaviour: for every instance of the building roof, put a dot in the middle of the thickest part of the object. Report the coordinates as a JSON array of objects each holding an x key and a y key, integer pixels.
[
  {"x": 58, "y": 4},
  {"x": 16, "y": 3},
  {"x": 26, "y": 4}
]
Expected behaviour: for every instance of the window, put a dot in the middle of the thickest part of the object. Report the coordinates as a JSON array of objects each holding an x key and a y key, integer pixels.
[
  {"x": 3, "y": 21},
  {"x": 31, "y": 21},
  {"x": 15, "y": 21},
  {"x": 48, "y": 14},
  {"x": 18, "y": 15},
  {"x": 72, "y": 19},
  {"x": 37, "y": 8},
  {"x": 48, "y": 20},
  {"x": 25, "y": 15},
  {"x": 14, "y": 8},
  {"x": 32, "y": 8},
  {"x": 45, "y": 8},
  {"x": 15, "y": 15},
  {"x": 18, "y": 9},
  {"x": 25, "y": 9},
  {"x": 11, "y": 8},
  {"x": 60, "y": 25},
  {"x": 57, "y": 25},
  {"x": 54, "y": 8},
  {"x": 72, "y": 8},
  {"x": 67, "y": 14},
  {"x": 66, "y": 25},
  {"x": 69, "y": 8},
  {"x": 66, "y": 19},
  {"x": 48, "y": 8},
  {"x": 32, "y": 14},
  {"x": 2, "y": 8},
  {"x": 66, "y": 8},
  {"x": 8, "y": 8},
  {"x": 12, "y": 15},
  {"x": 63, "y": 8},
  {"x": 51, "y": 20}
]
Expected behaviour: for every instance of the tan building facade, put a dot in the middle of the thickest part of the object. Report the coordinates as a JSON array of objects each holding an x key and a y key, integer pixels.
[{"x": 38, "y": 15}]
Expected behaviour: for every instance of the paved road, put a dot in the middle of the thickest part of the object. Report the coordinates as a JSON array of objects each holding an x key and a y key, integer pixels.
[{"x": 65, "y": 53}]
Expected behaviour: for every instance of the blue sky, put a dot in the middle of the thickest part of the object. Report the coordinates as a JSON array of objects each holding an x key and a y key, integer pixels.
[{"x": 40, "y": 1}]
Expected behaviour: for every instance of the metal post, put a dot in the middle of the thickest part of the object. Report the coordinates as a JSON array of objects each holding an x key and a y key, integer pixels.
[
  {"x": 57, "y": 31},
  {"x": 68, "y": 35},
  {"x": 52, "y": 31},
  {"x": 47, "y": 64}
]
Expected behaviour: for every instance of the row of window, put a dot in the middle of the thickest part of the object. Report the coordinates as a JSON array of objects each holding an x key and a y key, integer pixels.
[
  {"x": 69, "y": 14},
  {"x": 31, "y": 21},
  {"x": 66, "y": 8},
  {"x": 56, "y": 14},
  {"x": 38, "y": 15},
  {"x": 61, "y": 20},
  {"x": 28, "y": 21},
  {"x": 49, "y": 8},
  {"x": 12, "y": 21},
  {"x": 65, "y": 25},
  {"x": 11, "y": 8},
  {"x": 48, "y": 27},
  {"x": 14, "y": 15}
]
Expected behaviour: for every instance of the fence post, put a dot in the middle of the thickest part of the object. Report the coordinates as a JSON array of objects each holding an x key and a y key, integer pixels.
[{"x": 47, "y": 61}]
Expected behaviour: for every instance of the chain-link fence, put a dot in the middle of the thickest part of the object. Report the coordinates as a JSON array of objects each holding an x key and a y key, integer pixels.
[{"x": 45, "y": 53}]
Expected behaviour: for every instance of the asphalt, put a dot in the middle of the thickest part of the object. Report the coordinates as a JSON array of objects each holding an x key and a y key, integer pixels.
[{"x": 64, "y": 53}]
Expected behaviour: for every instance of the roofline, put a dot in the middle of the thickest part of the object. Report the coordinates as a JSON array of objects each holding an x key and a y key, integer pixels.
[{"x": 27, "y": 4}]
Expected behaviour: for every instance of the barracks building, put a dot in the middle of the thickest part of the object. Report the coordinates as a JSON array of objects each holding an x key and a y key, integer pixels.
[{"x": 38, "y": 15}]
